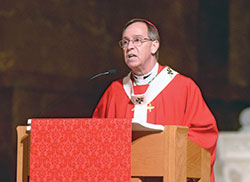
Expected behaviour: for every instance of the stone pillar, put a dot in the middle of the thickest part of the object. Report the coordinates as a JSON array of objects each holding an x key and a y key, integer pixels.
[{"x": 233, "y": 157}]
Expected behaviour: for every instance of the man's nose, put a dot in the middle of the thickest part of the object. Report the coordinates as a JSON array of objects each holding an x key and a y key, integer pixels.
[{"x": 130, "y": 44}]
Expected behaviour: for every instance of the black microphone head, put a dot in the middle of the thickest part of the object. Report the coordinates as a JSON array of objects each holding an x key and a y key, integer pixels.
[{"x": 113, "y": 71}]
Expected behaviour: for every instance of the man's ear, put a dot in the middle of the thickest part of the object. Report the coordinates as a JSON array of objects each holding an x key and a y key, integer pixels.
[{"x": 155, "y": 46}]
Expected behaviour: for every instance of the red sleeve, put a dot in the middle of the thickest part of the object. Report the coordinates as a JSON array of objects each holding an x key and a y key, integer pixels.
[
  {"x": 202, "y": 125},
  {"x": 102, "y": 107},
  {"x": 109, "y": 105}
]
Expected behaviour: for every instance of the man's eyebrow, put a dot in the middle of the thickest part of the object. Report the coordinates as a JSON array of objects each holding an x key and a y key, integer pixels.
[{"x": 124, "y": 37}]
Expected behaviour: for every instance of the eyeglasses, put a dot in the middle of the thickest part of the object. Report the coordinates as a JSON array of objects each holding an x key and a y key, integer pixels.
[{"x": 137, "y": 42}]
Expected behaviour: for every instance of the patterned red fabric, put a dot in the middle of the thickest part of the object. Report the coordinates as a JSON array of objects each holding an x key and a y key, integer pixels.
[{"x": 80, "y": 150}]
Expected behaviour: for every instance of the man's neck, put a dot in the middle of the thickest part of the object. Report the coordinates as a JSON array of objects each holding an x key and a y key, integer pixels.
[
  {"x": 146, "y": 78},
  {"x": 144, "y": 71}
]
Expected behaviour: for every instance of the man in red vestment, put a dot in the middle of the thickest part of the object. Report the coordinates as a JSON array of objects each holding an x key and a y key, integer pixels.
[{"x": 157, "y": 94}]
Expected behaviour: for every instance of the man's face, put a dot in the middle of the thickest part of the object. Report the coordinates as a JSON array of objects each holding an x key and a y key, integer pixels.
[{"x": 137, "y": 58}]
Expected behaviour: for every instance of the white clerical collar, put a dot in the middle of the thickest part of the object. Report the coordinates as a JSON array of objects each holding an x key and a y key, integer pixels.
[{"x": 147, "y": 78}]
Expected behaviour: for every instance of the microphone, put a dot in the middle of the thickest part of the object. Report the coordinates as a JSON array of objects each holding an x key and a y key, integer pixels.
[
  {"x": 109, "y": 72},
  {"x": 70, "y": 92}
]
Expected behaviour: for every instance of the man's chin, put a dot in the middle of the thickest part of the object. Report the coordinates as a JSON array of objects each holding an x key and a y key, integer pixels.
[{"x": 132, "y": 64}]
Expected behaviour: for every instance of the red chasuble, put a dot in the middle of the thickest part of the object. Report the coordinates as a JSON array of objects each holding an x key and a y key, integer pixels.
[{"x": 179, "y": 103}]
